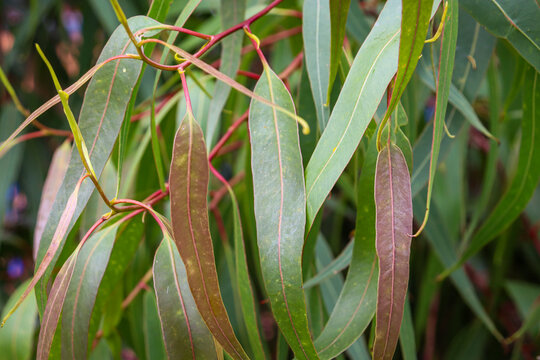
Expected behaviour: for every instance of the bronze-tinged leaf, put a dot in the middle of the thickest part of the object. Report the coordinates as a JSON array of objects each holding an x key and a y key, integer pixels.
[
  {"x": 189, "y": 214},
  {"x": 394, "y": 217}
]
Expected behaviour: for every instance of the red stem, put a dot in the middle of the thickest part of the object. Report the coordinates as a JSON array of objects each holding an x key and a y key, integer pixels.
[{"x": 228, "y": 135}]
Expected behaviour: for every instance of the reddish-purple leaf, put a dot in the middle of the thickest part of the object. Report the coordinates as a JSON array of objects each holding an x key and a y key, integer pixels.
[
  {"x": 393, "y": 239},
  {"x": 57, "y": 170},
  {"x": 189, "y": 214},
  {"x": 59, "y": 234}
]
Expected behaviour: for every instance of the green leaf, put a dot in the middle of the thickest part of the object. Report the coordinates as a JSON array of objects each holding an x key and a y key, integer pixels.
[
  {"x": 184, "y": 331},
  {"x": 338, "y": 21},
  {"x": 53, "y": 249},
  {"x": 81, "y": 294},
  {"x": 525, "y": 296},
  {"x": 57, "y": 170},
  {"x": 526, "y": 179},
  {"x": 414, "y": 26},
  {"x": 17, "y": 336},
  {"x": 189, "y": 214},
  {"x": 516, "y": 21},
  {"x": 475, "y": 43},
  {"x": 456, "y": 98},
  {"x": 356, "y": 304},
  {"x": 247, "y": 299},
  {"x": 232, "y": 12},
  {"x": 100, "y": 121},
  {"x": 153, "y": 342},
  {"x": 316, "y": 35},
  {"x": 57, "y": 296},
  {"x": 441, "y": 243},
  {"x": 339, "y": 263},
  {"x": 278, "y": 188},
  {"x": 444, "y": 80},
  {"x": 374, "y": 66},
  {"x": 394, "y": 217}
]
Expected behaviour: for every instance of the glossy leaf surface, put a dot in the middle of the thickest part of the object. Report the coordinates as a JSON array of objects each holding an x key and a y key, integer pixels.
[{"x": 278, "y": 189}]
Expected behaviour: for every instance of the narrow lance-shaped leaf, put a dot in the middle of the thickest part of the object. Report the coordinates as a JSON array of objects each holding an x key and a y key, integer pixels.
[
  {"x": 184, "y": 331},
  {"x": 338, "y": 21},
  {"x": 102, "y": 112},
  {"x": 232, "y": 12},
  {"x": 516, "y": 21},
  {"x": 316, "y": 35},
  {"x": 414, "y": 25},
  {"x": 356, "y": 304},
  {"x": 526, "y": 179},
  {"x": 339, "y": 263},
  {"x": 278, "y": 189},
  {"x": 53, "y": 248},
  {"x": 247, "y": 299},
  {"x": 53, "y": 310},
  {"x": 189, "y": 213},
  {"x": 443, "y": 83},
  {"x": 81, "y": 294},
  {"x": 371, "y": 72},
  {"x": 16, "y": 338},
  {"x": 394, "y": 227},
  {"x": 56, "y": 173}
]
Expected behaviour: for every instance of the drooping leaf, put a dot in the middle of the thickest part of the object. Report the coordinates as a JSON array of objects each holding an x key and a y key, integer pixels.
[
  {"x": 516, "y": 21},
  {"x": 247, "y": 298},
  {"x": 81, "y": 293},
  {"x": 374, "y": 66},
  {"x": 316, "y": 35},
  {"x": 356, "y": 304},
  {"x": 153, "y": 341},
  {"x": 278, "y": 188},
  {"x": 338, "y": 21},
  {"x": 527, "y": 176},
  {"x": 53, "y": 249},
  {"x": 443, "y": 82},
  {"x": 456, "y": 98},
  {"x": 56, "y": 173},
  {"x": 17, "y": 336},
  {"x": 393, "y": 240},
  {"x": 184, "y": 331},
  {"x": 414, "y": 26},
  {"x": 100, "y": 120},
  {"x": 473, "y": 42},
  {"x": 57, "y": 296},
  {"x": 232, "y": 12},
  {"x": 189, "y": 213}
]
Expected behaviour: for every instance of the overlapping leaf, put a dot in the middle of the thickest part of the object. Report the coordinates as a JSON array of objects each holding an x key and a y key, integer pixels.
[
  {"x": 316, "y": 34},
  {"x": 189, "y": 213},
  {"x": 100, "y": 120},
  {"x": 184, "y": 331},
  {"x": 516, "y": 21},
  {"x": 394, "y": 218},
  {"x": 526, "y": 179},
  {"x": 338, "y": 21},
  {"x": 374, "y": 66},
  {"x": 278, "y": 188},
  {"x": 356, "y": 304}
]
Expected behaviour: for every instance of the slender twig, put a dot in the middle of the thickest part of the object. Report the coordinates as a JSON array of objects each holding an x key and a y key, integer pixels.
[
  {"x": 228, "y": 135},
  {"x": 137, "y": 289}
]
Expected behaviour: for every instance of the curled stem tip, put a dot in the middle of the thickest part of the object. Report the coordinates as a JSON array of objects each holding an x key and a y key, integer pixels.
[{"x": 439, "y": 30}]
